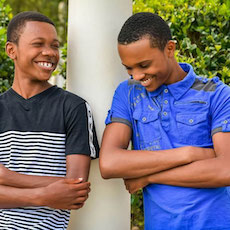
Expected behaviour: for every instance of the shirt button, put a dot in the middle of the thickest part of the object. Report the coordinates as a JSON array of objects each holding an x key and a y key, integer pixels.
[
  {"x": 165, "y": 113},
  {"x": 166, "y": 90},
  {"x": 144, "y": 119},
  {"x": 226, "y": 121},
  {"x": 191, "y": 121},
  {"x": 166, "y": 102}
]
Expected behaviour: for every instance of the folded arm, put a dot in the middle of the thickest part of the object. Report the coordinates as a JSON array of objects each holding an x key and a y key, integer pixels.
[
  {"x": 205, "y": 173},
  {"x": 54, "y": 192},
  {"x": 118, "y": 162},
  {"x": 19, "y": 180}
]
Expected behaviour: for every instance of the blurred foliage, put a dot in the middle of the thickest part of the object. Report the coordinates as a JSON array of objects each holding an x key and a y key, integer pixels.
[
  {"x": 61, "y": 69},
  {"x": 56, "y": 10},
  {"x": 137, "y": 215},
  {"x": 6, "y": 65},
  {"x": 202, "y": 31}
]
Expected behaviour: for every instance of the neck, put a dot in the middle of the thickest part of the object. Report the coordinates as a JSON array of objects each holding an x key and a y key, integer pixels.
[
  {"x": 28, "y": 89},
  {"x": 178, "y": 73}
]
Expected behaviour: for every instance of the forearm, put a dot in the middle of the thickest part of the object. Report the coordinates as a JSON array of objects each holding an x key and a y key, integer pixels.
[
  {"x": 62, "y": 194},
  {"x": 18, "y": 180},
  {"x": 201, "y": 174},
  {"x": 11, "y": 197},
  {"x": 118, "y": 162},
  {"x": 133, "y": 164},
  {"x": 207, "y": 173}
]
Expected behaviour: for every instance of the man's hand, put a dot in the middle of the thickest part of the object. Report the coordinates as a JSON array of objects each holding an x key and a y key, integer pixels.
[
  {"x": 65, "y": 194},
  {"x": 133, "y": 185}
]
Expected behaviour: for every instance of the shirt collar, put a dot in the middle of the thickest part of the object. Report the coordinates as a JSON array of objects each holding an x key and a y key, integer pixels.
[{"x": 179, "y": 88}]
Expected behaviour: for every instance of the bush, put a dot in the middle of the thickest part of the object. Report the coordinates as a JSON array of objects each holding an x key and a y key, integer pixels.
[
  {"x": 137, "y": 215},
  {"x": 61, "y": 69},
  {"x": 202, "y": 31},
  {"x": 6, "y": 65}
]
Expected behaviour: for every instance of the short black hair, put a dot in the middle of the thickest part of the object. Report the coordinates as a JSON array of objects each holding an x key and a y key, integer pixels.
[
  {"x": 145, "y": 24},
  {"x": 18, "y": 22}
]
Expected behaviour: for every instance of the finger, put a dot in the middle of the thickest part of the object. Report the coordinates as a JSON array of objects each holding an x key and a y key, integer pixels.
[
  {"x": 133, "y": 191},
  {"x": 81, "y": 186},
  {"x": 76, "y": 206},
  {"x": 81, "y": 193},
  {"x": 80, "y": 200}
]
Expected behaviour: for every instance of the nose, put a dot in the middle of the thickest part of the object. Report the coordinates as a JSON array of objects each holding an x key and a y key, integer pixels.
[
  {"x": 138, "y": 75},
  {"x": 49, "y": 51}
]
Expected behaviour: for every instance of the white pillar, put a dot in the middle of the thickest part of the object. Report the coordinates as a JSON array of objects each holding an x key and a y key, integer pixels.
[{"x": 94, "y": 71}]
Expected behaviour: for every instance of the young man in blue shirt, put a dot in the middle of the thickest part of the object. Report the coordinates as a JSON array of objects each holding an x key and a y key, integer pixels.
[{"x": 179, "y": 126}]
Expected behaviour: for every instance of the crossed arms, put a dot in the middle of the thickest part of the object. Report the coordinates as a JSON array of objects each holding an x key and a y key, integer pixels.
[
  {"x": 185, "y": 166},
  {"x": 19, "y": 190}
]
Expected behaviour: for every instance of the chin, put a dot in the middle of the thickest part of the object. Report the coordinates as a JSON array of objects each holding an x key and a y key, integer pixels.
[
  {"x": 150, "y": 89},
  {"x": 45, "y": 78}
]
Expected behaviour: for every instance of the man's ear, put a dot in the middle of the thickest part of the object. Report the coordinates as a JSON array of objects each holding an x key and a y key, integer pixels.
[
  {"x": 170, "y": 48},
  {"x": 11, "y": 50}
]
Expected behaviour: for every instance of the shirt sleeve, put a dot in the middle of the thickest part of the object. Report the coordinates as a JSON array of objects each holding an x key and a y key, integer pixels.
[
  {"x": 80, "y": 132},
  {"x": 220, "y": 106},
  {"x": 119, "y": 111}
]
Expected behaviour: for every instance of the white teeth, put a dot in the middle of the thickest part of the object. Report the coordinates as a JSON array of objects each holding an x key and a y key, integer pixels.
[
  {"x": 45, "y": 64},
  {"x": 146, "y": 81}
]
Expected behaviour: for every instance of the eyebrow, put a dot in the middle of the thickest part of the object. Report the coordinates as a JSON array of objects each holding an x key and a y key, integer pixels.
[
  {"x": 124, "y": 65},
  {"x": 139, "y": 63},
  {"x": 41, "y": 38}
]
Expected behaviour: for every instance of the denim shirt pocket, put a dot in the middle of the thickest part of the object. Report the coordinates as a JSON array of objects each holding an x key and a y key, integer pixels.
[
  {"x": 147, "y": 128},
  {"x": 193, "y": 128}
]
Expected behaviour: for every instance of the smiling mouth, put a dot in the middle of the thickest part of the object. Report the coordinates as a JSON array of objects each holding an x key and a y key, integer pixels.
[
  {"x": 46, "y": 65},
  {"x": 146, "y": 82}
]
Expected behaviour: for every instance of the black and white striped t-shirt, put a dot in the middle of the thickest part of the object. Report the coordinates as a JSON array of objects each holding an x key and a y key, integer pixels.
[{"x": 36, "y": 134}]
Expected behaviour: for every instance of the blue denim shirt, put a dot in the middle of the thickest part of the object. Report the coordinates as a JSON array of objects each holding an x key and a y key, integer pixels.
[{"x": 185, "y": 113}]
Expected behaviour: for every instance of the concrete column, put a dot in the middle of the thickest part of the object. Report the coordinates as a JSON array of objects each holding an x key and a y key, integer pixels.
[{"x": 94, "y": 70}]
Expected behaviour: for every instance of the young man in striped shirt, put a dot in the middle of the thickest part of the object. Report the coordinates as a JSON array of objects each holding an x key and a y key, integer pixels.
[{"x": 47, "y": 135}]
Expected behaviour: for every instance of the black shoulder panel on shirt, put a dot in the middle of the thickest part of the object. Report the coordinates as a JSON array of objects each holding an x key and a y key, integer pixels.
[{"x": 206, "y": 85}]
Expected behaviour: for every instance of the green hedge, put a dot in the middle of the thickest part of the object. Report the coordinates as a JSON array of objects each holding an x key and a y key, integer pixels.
[
  {"x": 6, "y": 65},
  {"x": 202, "y": 31}
]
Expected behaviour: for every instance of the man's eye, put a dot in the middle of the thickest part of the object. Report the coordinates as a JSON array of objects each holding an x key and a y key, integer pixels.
[
  {"x": 144, "y": 66},
  {"x": 37, "y": 44},
  {"x": 56, "y": 46}
]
